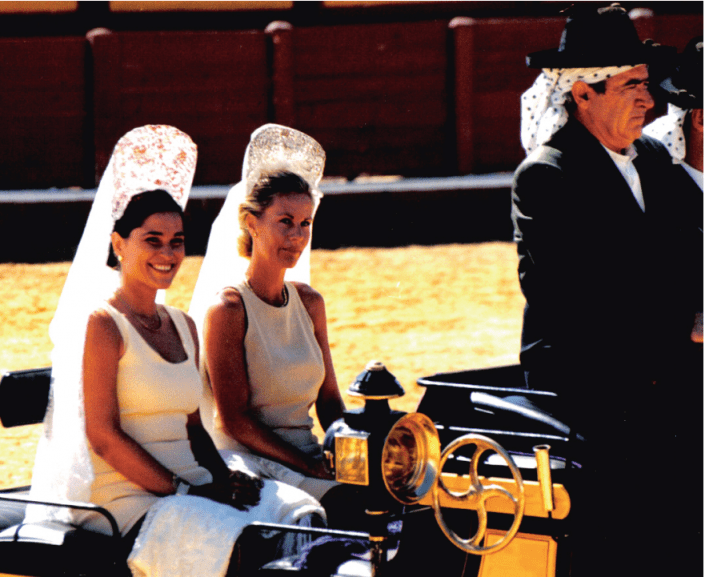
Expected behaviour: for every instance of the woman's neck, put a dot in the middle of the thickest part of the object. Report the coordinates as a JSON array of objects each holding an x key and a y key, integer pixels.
[
  {"x": 139, "y": 300},
  {"x": 267, "y": 284}
]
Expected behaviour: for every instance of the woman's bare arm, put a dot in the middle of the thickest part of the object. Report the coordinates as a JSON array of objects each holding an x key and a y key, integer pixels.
[{"x": 329, "y": 404}]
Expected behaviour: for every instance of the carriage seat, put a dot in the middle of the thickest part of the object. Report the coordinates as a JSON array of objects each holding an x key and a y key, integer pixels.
[{"x": 47, "y": 547}]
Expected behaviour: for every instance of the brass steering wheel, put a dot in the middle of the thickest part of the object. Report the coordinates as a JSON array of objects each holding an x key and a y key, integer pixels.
[{"x": 477, "y": 495}]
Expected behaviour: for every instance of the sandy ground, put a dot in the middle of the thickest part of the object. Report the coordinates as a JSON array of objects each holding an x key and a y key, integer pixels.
[{"x": 420, "y": 310}]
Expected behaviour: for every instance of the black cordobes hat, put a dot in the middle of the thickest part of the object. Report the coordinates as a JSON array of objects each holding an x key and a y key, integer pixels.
[
  {"x": 684, "y": 86},
  {"x": 595, "y": 38}
]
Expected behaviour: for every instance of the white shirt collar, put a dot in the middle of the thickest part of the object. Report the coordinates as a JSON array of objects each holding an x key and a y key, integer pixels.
[
  {"x": 626, "y": 167},
  {"x": 623, "y": 159}
]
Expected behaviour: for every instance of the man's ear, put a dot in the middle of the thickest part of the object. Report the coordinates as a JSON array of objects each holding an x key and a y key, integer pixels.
[{"x": 581, "y": 93}]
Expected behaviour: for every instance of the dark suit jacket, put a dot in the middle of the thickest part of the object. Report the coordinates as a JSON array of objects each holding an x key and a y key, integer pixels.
[
  {"x": 597, "y": 273},
  {"x": 692, "y": 198}
]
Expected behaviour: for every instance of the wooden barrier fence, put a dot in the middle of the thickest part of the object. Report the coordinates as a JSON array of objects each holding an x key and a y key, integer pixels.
[
  {"x": 43, "y": 113},
  {"x": 428, "y": 98},
  {"x": 212, "y": 85}
]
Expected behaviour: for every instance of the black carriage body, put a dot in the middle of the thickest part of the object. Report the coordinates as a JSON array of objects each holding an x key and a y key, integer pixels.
[{"x": 495, "y": 402}]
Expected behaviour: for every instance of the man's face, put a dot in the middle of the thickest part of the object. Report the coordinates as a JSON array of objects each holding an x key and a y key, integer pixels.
[{"x": 617, "y": 116}]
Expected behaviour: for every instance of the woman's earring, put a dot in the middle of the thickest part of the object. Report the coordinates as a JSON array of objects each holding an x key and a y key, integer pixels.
[{"x": 119, "y": 258}]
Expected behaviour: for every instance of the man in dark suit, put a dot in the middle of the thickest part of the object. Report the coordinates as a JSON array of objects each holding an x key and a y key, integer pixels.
[{"x": 596, "y": 230}]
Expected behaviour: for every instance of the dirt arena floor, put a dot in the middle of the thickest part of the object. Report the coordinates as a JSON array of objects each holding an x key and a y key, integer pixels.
[{"x": 420, "y": 310}]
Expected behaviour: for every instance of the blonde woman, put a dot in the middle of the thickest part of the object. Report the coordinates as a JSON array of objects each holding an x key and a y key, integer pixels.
[{"x": 266, "y": 357}]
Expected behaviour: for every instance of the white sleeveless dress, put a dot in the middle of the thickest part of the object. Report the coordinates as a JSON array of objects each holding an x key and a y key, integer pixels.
[
  {"x": 155, "y": 398},
  {"x": 182, "y": 536},
  {"x": 285, "y": 369}
]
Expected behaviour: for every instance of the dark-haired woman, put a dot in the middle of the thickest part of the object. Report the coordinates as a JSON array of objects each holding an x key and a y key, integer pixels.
[
  {"x": 139, "y": 449},
  {"x": 266, "y": 358}
]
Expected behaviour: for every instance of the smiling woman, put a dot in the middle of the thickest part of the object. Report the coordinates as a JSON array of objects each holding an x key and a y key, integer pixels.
[{"x": 148, "y": 242}]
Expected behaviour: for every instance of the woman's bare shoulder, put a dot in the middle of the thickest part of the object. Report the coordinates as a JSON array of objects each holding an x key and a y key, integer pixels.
[
  {"x": 229, "y": 298},
  {"x": 306, "y": 291},
  {"x": 228, "y": 305},
  {"x": 101, "y": 320},
  {"x": 312, "y": 299},
  {"x": 102, "y": 330}
]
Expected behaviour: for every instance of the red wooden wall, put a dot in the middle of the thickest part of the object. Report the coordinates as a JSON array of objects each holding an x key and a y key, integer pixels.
[
  {"x": 212, "y": 85},
  {"x": 491, "y": 77},
  {"x": 42, "y": 112},
  {"x": 375, "y": 96},
  {"x": 422, "y": 98}
]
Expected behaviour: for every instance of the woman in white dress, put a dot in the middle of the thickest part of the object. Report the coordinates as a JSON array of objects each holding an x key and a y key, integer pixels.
[
  {"x": 266, "y": 357},
  {"x": 138, "y": 448}
]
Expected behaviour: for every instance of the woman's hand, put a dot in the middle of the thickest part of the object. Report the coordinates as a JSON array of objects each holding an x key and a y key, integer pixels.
[
  {"x": 240, "y": 490},
  {"x": 317, "y": 468},
  {"x": 245, "y": 490}
]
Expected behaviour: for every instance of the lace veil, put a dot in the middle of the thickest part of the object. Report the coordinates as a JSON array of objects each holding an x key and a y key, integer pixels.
[
  {"x": 146, "y": 158},
  {"x": 272, "y": 148}
]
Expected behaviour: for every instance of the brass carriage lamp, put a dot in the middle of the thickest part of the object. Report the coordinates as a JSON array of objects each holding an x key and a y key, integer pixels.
[
  {"x": 356, "y": 443},
  {"x": 392, "y": 453},
  {"x": 376, "y": 383}
]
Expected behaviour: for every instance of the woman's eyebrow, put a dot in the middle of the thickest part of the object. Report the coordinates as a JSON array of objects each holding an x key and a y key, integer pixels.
[{"x": 162, "y": 233}]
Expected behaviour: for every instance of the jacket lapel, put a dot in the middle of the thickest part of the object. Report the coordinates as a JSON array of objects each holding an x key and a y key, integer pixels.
[{"x": 605, "y": 181}]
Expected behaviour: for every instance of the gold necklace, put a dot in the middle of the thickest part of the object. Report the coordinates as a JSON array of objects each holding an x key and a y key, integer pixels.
[
  {"x": 285, "y": 294},
  {"x": 141, "y": 319}
]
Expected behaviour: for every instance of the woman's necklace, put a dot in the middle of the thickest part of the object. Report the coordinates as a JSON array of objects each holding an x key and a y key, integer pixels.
[
  {"x": 285, "y": 294},
  {"x": 147, "y": 322}
]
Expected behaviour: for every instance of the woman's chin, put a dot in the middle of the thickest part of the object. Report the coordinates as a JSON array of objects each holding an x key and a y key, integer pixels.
[
  {"x": 163, "y": 283},
  {"x": 290, "y": 260}
]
